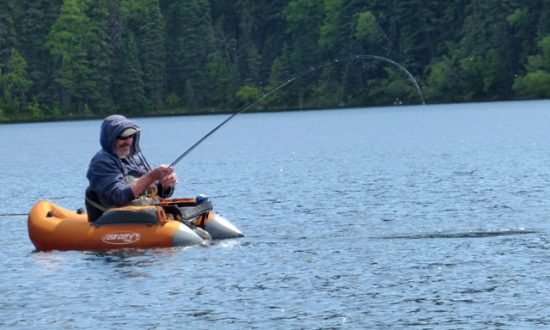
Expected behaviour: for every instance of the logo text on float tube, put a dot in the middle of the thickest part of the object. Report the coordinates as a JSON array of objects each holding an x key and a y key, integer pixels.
[{"x": 121, "y": 237}]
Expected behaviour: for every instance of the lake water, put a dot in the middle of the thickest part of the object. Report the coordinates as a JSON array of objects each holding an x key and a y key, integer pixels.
[{"x": 431, "y": 217}]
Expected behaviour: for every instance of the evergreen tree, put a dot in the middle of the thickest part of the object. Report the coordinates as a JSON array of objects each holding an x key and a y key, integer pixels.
[
  {"x": 14, "y": 84},
  {"x": 536, "y": 83},
  {"x": 280, "y": 73},
  {"x": 269, "y": 41},
  {"x": 196, "y": 44},
  {"x": 7, "y": 30},
  {"x": 153, "y": 54},
  {"x": 443, "y": 76},
  {"x": 129, "y": 87},
  {"x": 223, "y": 78},
  {"x": 303, "y": 24},
  {"x": 68, "y": 42},
  {"x": 35, "y": 20},
  {"x": 119, "y": 55},
  {"x": 94, "y": 57},
  {"x": 484, "y": 60},
  {"x": 145, "y": 21},
  {"x": 543, "y": 26},
  {"x": 100, "y": 54},
  {"x": 249, "y": 58},
  {"x": 174, "y": 16}
]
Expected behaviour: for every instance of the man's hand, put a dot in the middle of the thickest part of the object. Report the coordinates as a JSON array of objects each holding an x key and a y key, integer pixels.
[
  {"x": 161, "y": 172},
  {"x": 164, "y": 174},
  {"x": 169, "y": 180}
]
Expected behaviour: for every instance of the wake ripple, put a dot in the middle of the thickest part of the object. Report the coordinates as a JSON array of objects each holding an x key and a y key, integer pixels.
[{"x": 468, "y": 234}]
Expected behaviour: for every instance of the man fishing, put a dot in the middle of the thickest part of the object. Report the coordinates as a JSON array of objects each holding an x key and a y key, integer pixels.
[{"x": 119, "y": 174}]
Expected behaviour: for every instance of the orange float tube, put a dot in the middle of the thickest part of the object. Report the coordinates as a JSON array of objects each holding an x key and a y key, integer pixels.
[{"x": 52, "y": 227}]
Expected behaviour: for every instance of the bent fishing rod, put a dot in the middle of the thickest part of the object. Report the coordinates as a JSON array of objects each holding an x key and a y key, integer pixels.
[{"x": 294, "y": 78}]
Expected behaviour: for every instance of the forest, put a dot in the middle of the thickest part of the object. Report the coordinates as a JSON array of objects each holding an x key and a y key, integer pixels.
[{"x": 63, "y": 59}]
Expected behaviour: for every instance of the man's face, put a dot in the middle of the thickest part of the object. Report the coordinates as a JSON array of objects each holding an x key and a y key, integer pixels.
[{"x": 123, "y": 144}]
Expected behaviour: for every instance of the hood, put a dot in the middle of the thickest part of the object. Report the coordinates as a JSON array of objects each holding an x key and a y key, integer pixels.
[{"x": 111, "y": 127}]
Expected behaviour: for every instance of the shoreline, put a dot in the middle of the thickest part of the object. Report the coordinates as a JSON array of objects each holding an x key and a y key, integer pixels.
[{"x": 206, "y": 112}]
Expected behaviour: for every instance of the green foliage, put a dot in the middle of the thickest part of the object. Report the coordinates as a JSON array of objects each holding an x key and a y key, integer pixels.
[
  {"x": 69, "y": 42},
  {"x": 367, "y": 28},
  {"x": 519, "y": 16},
  {"x": 442, "y": 81},
  {"x": 62, "y": 58},
  {"x": 7, "y": 29},
  {"x": 52, "y": 112},
  {"x": 151, "y": 40},
  {"x": 303, "y": 20},
  {"x": 248, "y": 94},
  {"x": 279, "y": 74},
  {"x": 35, "y": 110},
  {"x": 129, "y": 85},
  {"x": 541, "y": 61},
  {"x": 328, "y": 35},
  {"x": 100, "y": 54},
  {"x": 536, "y": 83},
  {"x": 223, "y": 80},
  {"x": 247, "y": 50},
  {"x": 172, "y": 101},
  {"x": 14, "y": 83}
]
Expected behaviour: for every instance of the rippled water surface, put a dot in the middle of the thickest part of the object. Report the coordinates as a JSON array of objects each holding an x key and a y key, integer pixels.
[{"x": 416, "y": 216}]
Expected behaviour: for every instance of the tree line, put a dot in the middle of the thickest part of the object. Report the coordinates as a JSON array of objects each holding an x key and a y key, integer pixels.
[{"x": 89, "y": 58}]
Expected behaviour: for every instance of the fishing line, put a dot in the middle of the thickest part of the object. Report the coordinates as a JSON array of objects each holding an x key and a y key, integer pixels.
[{"x": 296, "y": 77}]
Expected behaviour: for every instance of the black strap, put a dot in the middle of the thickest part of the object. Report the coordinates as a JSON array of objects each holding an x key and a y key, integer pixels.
[
  {"x": 94, "y": 208},
  {"x": 191, "y": 212}
]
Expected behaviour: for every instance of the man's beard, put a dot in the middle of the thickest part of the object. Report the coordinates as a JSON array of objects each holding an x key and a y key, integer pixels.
[{"x": 125, "y": 153}]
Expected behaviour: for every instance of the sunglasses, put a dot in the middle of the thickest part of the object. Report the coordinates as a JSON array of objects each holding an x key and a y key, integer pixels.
[{"x": 125, "y": 138}]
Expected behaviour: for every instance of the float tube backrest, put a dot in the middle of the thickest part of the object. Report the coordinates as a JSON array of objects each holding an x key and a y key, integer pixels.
[
  {"x": 131, "y": 214},
  {"x": 94, "y": 209}
]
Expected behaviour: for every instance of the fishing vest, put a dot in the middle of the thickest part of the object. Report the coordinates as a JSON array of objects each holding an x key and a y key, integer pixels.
[{"x": 149, "y": 197}]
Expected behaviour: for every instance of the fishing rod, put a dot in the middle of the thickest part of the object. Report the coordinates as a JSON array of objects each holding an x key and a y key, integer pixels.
[{"x": 296, "y": 77}]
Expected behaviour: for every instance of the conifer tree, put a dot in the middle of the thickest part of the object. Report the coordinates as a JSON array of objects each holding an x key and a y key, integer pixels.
[
  {"x": 543, "y": 26},
  {"x": 196, "y": 44},
  {"x": 536, "y": 83},
  {"x": 104, "y": 55},
  {"x": 280, "y": 72},
  {"x": 249, "y": 60},
  {"x": 223, "y": 81},
  {"x": 35, "y": 20},
  {"x": 129, "y": 87},
  {"x": 100, "y": 54},
  {"x": 14, "y": 84},
  {"x": 68, "y": 43},
  {"x": 7, "y": 30},
  {"x": 154, "y": 55},
  {"x": 303, "y": 23},
  {"x": 484, "y": 51},
  {"x": 174, "y": 17}
]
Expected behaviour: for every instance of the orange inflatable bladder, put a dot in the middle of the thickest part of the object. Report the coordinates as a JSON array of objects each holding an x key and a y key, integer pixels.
[{"x": 52, "y": 227}]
